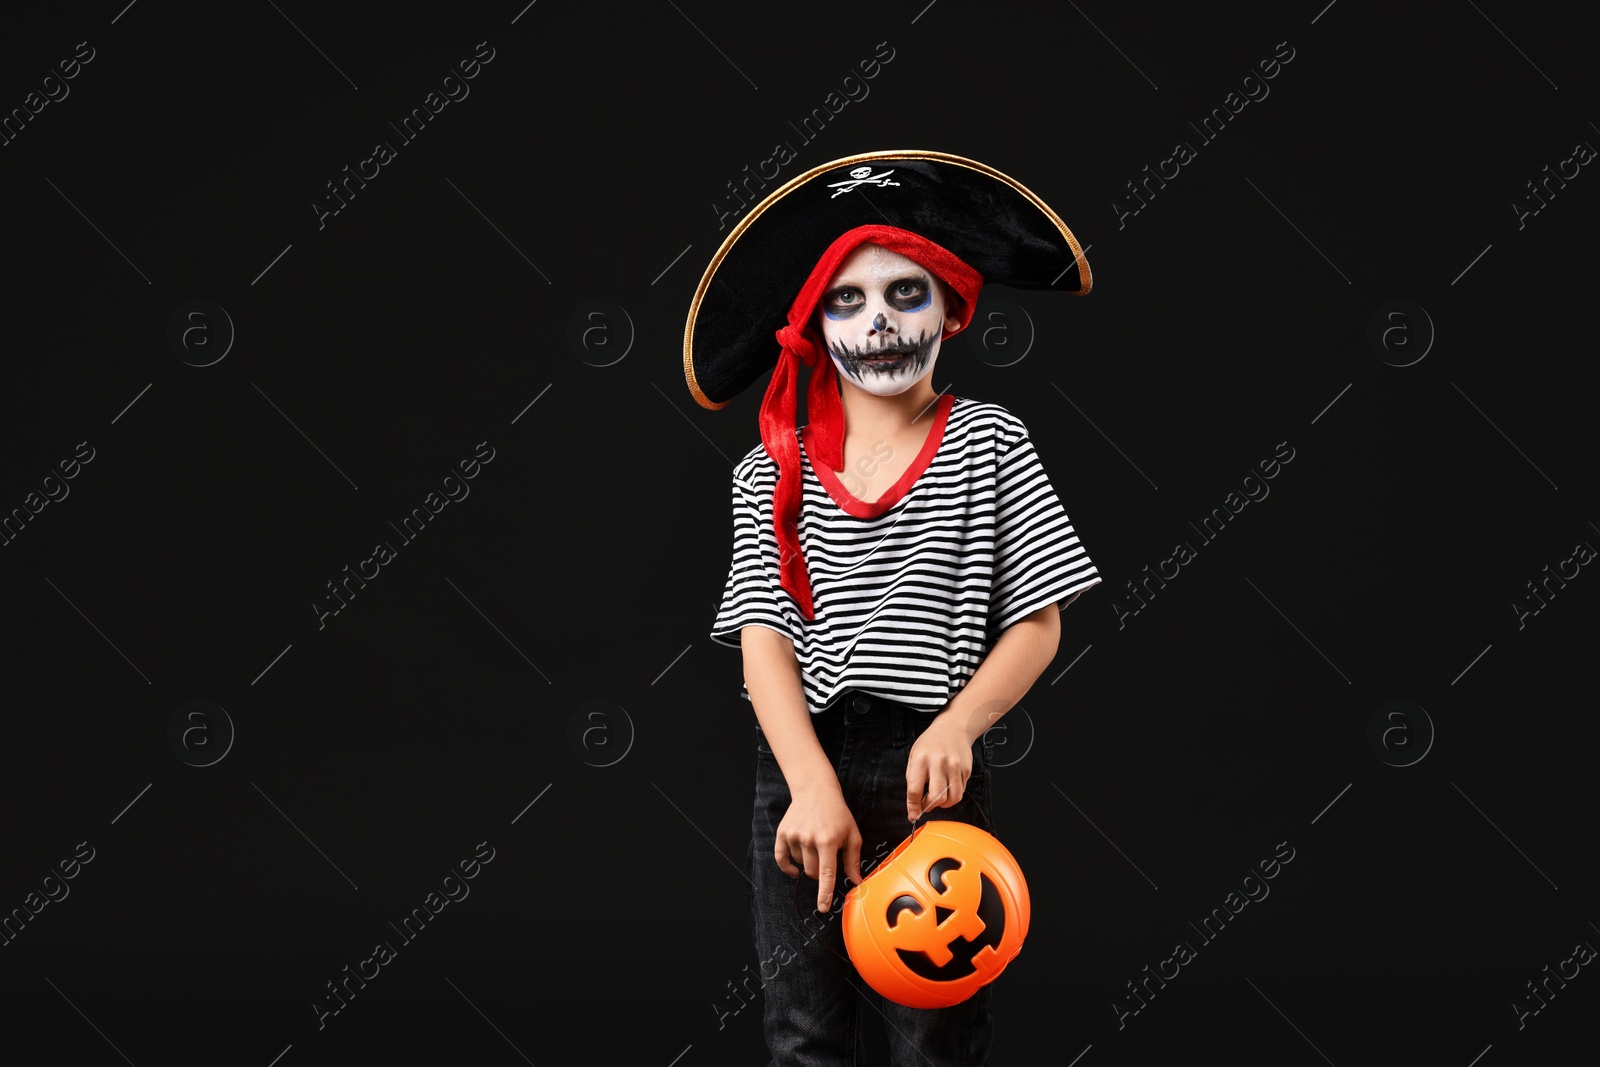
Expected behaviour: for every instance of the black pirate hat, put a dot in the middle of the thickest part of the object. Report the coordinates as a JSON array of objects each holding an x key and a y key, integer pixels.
[
  {"x": 988, "y": 219},
  {"x": 965, "y": 222}
]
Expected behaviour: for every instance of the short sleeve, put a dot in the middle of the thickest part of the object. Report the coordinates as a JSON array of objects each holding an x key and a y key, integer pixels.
[
  {"x": 1038, "y": 557},
  {"x": 750, "y": 597}
]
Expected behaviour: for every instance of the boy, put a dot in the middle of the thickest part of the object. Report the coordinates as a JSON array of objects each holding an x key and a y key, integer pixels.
[{"x": 899, "y": 562}]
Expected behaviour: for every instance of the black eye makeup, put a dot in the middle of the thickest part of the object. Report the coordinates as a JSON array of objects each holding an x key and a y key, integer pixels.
[
  {"x": 842, "y": 303},
  {"x": 902, "y": 294},
  {"x": 909, "y": 294}
]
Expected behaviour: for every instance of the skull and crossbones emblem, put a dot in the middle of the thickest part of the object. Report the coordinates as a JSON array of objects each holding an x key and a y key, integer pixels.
[{"x": 861, "y": 176}]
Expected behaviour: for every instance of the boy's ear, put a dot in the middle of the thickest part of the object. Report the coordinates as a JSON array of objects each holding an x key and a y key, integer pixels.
[{"x": 954, "y": 306}]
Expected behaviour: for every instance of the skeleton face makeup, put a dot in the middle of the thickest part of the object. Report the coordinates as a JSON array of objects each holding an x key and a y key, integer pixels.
[{"x": 882, "y": 318}]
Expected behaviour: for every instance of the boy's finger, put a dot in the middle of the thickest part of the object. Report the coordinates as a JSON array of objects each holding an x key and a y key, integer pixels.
[
  {"x": 938, "y": 789},
  {"x": 780, "y": 855},
  {"x": 915, "y": 779},
  {"x": 954, "y": 791},
  {"x": 825, "y": 875},
  {"x": 852, "y": 858}
]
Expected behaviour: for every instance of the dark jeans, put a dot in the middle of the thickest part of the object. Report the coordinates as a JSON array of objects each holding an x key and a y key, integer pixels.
[{"x": 810, "y": 987}]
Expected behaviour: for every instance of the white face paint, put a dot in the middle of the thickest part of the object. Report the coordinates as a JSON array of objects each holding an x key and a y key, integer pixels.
[{"x": 882, "y": 318}]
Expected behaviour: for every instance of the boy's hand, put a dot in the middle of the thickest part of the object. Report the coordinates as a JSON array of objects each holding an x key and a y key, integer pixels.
[
  {"x": 937, "y": 768},
  {"x": 816, "y": 827}
]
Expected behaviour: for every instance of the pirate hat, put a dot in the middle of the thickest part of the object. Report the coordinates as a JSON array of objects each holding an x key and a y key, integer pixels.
[{"x": 965, "y": 222}]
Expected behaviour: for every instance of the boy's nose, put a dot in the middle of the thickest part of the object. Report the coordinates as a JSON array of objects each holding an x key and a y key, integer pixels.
[{"x": 880, "y": 322}]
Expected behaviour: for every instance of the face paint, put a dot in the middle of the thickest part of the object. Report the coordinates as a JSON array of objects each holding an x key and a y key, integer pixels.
[
  {"x": 890, "y": 368},
  {"x": 895, "y": 348}
]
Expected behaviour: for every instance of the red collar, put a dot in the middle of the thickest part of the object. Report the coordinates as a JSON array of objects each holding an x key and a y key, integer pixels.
[{"x": 862, "y": 509}]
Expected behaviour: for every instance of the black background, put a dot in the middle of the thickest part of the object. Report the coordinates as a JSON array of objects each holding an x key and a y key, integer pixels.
[{"x": 1226, "y": 716}]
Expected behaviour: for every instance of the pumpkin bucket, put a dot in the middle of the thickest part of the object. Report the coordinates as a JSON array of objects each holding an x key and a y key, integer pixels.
[{"x": 939, "y": 918}]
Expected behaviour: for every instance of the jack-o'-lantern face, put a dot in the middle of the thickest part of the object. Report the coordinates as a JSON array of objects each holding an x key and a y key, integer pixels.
[
  {"x": 940, "y": 917},
  {"x": 967, "y": 914}
]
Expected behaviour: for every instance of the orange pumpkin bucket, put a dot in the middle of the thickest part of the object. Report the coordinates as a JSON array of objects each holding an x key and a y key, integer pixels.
[{"x": 939, "y": 918}]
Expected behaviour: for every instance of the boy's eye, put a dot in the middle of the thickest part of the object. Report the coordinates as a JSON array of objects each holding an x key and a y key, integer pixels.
[
  {"x": 843, "y": 302},
  {"x": 908, "y": 295}
]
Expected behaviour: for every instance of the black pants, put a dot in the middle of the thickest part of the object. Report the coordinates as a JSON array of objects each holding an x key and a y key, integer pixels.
[{"x": 808, "y": 983}]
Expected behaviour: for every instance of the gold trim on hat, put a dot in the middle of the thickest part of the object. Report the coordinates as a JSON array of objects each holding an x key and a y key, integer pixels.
[{"x": 801, "y": 179}]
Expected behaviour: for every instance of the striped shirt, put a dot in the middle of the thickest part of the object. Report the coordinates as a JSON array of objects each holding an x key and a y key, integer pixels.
[{"x": 912, "y": 590}]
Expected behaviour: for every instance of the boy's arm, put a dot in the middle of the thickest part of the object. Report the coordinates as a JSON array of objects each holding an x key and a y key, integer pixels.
[
  {"x": 1006, "y": 674},
  {"x": 818, "y": 825},
  {"x": 772, "y": 674},
  {"x": 940, "y": 761}
]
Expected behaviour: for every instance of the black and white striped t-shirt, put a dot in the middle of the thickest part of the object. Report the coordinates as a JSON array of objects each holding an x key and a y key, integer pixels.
[{"x": 912, "y": 590}]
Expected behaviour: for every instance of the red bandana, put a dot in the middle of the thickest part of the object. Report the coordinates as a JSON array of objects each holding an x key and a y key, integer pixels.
[{"x": 823, "y": 407}]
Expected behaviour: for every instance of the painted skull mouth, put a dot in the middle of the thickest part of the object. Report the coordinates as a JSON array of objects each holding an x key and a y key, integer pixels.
[{"x": 888, "y": 358}]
